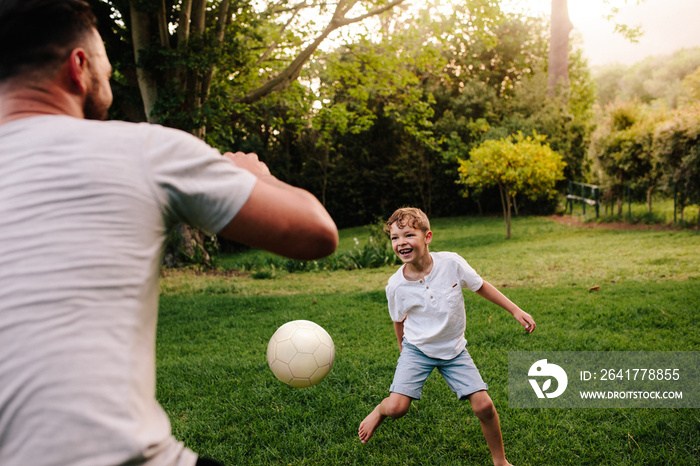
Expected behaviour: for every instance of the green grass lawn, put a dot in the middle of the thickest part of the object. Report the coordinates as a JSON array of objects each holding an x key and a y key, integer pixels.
[{"x": 224, "y": 402}]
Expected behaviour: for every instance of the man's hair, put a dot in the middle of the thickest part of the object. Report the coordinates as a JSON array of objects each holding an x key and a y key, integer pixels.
[
  {"x": 38, "y": 35},
  {"x": 411, "y": 216}
]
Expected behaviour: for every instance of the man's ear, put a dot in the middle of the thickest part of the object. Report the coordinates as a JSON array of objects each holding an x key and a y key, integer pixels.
[{"x": 77, "y": 69}]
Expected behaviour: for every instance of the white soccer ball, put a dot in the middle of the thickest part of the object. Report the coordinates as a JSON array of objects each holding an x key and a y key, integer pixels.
[{"x": 300, "y": 353}]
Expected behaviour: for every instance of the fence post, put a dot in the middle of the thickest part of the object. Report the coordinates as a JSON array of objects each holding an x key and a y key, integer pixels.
[
  {"x": 592, "y": 199},
  {"x": 596, "y": 198}
]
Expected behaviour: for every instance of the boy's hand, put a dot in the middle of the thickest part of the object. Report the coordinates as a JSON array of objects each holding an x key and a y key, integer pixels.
[
  {"x": 489, "y": 292},
  {"x": 525, "y": 320}
]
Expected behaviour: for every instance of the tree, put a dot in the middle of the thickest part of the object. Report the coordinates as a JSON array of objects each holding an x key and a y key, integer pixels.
[
  {"x": 181, "y": 49},
  {"x": 202, "y": 63},
  {"x": 559, "y": 45},
  {"x": 620, "y": 151},
  {"x": 677, "y": 147},
  {"x": 339, "y": 19},
  {"x": 361, "y": 82},
  {"x": 661, "y": 79},
  {"x": 690, "y": 89},
  {"x": 434, "y": 87},
  {"x": 513, "y": 93},
  {"x": 518, "y": 164},
  {"x": 560, "y": 29},
  {"x": 567, "y": 123},
  {"x": 379, "y": 120},
  {"x": 380, "y": 96},
  {"x": 608, "y": 80}
]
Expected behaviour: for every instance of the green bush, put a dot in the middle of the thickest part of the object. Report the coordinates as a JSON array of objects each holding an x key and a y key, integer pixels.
[{"x": 375, "y": 253}]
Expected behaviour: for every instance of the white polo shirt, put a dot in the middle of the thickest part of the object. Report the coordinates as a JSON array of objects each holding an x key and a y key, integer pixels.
[{"x": 433, "y": 307}]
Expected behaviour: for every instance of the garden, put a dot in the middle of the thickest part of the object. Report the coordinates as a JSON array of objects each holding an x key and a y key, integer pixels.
[{"x": 589, "y": 289}]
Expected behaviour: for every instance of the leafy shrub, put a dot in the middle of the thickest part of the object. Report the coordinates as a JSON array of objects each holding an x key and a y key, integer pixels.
[{"x": 375, "y": 253}]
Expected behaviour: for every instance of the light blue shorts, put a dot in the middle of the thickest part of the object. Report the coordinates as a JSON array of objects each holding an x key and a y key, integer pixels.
[{"x": 414, "y": 367}]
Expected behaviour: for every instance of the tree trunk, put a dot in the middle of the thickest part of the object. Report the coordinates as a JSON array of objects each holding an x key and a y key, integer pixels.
[
  {"x": 505, "y": 202},
  {"x": 205, "y": 81},
  {"x": 183, "y": 23},
  {"x": 508, "y": 215},
  {"x": 559, "y": 46},
  {"x": 183, "y": 37},
  {"x": 140, "y": 36},
  {"x": 649, "y": 191},
  {"x": 325, "y": 166},
  {"x": 192, "y": 242}
]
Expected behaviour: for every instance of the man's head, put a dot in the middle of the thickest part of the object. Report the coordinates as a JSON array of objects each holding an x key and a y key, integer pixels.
[
  {"x": 41, "y": 39},
  {"x": 408, "y": 216},
  {"x": 36, "y": 36}
]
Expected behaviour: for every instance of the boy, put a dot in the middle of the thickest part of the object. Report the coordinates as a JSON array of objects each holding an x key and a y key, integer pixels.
[{"x": 427, "y": 307}]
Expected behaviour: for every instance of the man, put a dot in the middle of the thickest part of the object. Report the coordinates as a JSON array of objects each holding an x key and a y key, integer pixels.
[{"x": 85, "y": 207}]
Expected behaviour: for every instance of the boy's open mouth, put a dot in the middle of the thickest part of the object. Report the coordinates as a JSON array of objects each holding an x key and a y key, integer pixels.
[{"x": 406, "y": 251}]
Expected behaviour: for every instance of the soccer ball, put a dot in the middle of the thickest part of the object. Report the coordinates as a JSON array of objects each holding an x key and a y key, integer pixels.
[{"x": 300, "y": 353}]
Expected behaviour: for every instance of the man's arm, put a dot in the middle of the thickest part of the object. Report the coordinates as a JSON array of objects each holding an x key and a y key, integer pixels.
[
  {"x": 490, "y": 292},
  {"x": 281, "y": 218}
]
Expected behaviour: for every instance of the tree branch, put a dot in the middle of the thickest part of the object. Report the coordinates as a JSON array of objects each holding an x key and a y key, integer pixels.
[
  {"x": 370, "y": 13},
  {"x": 220, "y": 32},
  {"x": 291, "y": 73},
  {"x": 274, "y": 44},
  {"x": 163, "y": 34},
  {"x": 193, "y": 91}
]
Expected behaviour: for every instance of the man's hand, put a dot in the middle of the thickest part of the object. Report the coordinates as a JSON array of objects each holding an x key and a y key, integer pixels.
[
  {"x": 249, "y": 162},
  {"x": 279, "y": 217}
]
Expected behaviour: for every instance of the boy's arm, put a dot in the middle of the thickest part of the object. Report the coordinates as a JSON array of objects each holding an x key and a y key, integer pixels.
[
  {"x": 398, "y": 328},
  {"x": 490, "y": 292}
]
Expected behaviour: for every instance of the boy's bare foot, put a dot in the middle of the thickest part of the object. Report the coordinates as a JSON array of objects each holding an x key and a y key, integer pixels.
[{"x": 370, "y": 424}]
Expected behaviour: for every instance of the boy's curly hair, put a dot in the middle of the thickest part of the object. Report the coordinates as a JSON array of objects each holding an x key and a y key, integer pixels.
[{"x": 411, "y": 216}]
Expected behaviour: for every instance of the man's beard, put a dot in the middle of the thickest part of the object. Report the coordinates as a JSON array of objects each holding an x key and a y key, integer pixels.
[{"x": 93, "y": 109}]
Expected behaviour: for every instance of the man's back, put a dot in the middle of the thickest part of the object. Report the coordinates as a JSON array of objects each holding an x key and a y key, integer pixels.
[{"x": 84, "y": 208}]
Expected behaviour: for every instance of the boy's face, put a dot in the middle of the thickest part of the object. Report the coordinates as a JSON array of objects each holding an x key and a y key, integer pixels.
[{"x": 410, "y": 244}]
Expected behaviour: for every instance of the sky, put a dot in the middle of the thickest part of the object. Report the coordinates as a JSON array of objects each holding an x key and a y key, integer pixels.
[{"x": 668, "y": 25}]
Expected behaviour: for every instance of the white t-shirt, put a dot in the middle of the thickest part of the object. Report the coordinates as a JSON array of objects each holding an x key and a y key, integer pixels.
[
  {"x": 84, "y": 210},
  {"x": 433, "y": 308}
]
